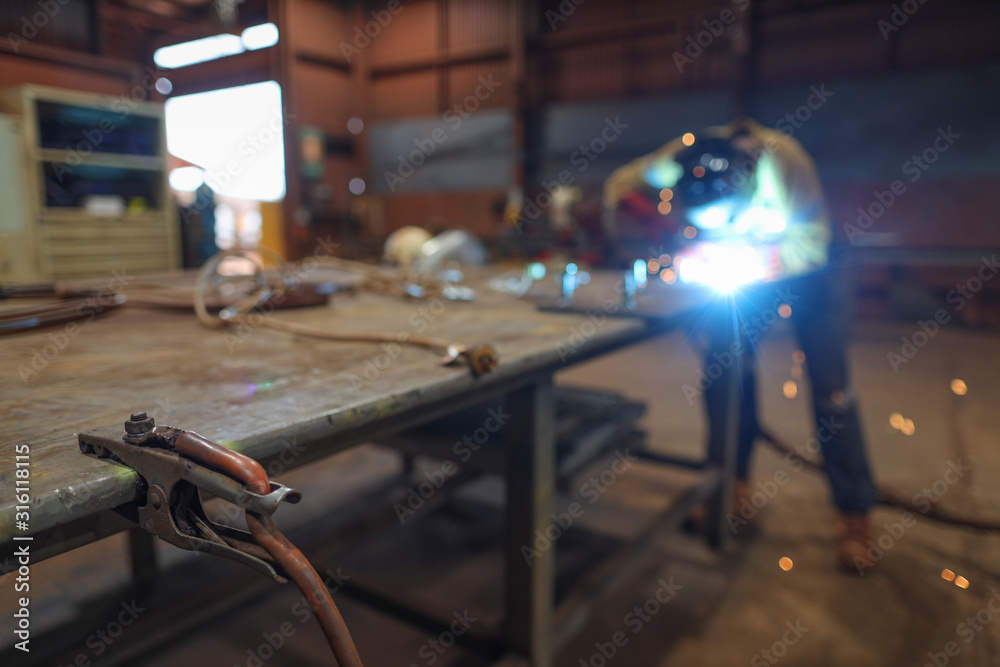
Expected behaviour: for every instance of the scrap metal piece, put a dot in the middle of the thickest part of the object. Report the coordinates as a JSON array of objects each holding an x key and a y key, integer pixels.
[
  {"x": 482, "y": 359},
  {"x": 452, "y": 292}
]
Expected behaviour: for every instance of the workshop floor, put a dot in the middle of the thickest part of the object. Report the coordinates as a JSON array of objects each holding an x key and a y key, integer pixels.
[{"x": 735, "y": 608}]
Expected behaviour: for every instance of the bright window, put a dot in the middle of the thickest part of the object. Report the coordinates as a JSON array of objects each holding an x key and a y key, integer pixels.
[{"x": 236, "y": 135}]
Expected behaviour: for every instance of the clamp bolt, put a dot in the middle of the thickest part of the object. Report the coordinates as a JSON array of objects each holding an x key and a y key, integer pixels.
[{"x": 138, "y": 425}]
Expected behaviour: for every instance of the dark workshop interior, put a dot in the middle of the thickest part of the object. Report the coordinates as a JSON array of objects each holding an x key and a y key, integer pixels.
[{"x": 539, "y": 333}]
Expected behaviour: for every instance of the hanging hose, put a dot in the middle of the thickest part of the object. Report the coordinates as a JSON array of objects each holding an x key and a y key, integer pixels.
[{"x": 889, "y": 498}]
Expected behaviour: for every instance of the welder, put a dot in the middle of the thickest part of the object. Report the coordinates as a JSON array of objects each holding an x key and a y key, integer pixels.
[{"x": 756, "y": 232}]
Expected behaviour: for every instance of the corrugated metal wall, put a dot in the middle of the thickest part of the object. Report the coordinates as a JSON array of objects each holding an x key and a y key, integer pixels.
[
  {"x": 554, "y": 54},
  {"x": 432, "y": 53}
]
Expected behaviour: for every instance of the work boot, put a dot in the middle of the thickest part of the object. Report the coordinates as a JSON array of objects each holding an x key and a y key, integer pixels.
[{"x": 854, "y": 534}]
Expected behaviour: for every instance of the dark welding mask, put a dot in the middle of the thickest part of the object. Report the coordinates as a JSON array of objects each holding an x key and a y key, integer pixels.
[{"x": 713, "y": 170}]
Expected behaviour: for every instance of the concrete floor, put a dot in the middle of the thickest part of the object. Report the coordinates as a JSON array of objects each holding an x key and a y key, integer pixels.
[{"x": 738, "y": 607}]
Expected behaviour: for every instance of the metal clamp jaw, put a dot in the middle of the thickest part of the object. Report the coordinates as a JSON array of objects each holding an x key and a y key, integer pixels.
[
  {"x": 173, "y": 509},
  {"x": 176, "y": 466}
]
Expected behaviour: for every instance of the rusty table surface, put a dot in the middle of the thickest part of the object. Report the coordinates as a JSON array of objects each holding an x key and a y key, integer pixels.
[{"x": 269, "y": 394}]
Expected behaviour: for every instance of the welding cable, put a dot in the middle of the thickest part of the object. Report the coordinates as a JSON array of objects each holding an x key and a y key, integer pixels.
[
  {"x": 20, "y": 319},
  {"x": 252, "y": 475},
  {"x": 266, "y": 532},
  {"x": 393, "y": 281},
  {"x": 481, "y": 358},
  {"x": 80, "y": 300},
  {"x": 244, "y": 306},
  {"x": 888, "y": 497}
]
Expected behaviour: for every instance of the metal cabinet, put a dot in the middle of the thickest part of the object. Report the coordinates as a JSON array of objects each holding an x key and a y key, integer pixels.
[{"x": 84, "y": 188}]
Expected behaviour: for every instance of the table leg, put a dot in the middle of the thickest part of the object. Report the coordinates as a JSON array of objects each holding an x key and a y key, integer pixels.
[
  {"x": 142, "y": 556},
  {"x": 717, "y": 526},
  {"x": 531, "y": 478}
]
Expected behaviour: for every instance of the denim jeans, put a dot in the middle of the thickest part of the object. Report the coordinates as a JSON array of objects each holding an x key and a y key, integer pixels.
[{"x": 819, "y": 316}]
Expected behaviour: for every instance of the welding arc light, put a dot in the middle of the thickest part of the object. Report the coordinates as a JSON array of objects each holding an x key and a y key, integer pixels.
[
  {"x": 758, "y": 219},
  {"x": 724, "y": 268},
  {"x": 712, "y": 216},
  {"x": 639, "y": 273},
  {"x": 761, "y": 219}
]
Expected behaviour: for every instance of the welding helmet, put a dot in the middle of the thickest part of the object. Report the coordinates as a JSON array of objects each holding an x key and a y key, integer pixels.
[{"x": 713, "y": 168}]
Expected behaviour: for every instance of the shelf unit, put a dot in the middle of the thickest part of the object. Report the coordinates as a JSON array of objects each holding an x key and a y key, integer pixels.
[{"x": 72, "y": 146}]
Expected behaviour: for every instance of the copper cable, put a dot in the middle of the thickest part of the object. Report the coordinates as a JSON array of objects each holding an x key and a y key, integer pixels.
[
  {"x": 309, "y": 582},
  {"x": 252, "y": 475},
  {"x": 242, "y": 468},
  {"x": 439, "y": 344},
  {"x": 482, "y": 359}
]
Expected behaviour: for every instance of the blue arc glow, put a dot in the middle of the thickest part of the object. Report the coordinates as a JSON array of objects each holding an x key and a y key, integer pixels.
[{"x": 724, "y": 268}]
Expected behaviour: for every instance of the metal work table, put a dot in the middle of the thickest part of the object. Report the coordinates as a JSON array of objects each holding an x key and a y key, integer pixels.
[{"x": 261, "y": 391}]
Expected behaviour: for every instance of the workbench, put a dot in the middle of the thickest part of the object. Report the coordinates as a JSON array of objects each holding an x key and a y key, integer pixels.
[{"x": 257, "y": 390}]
